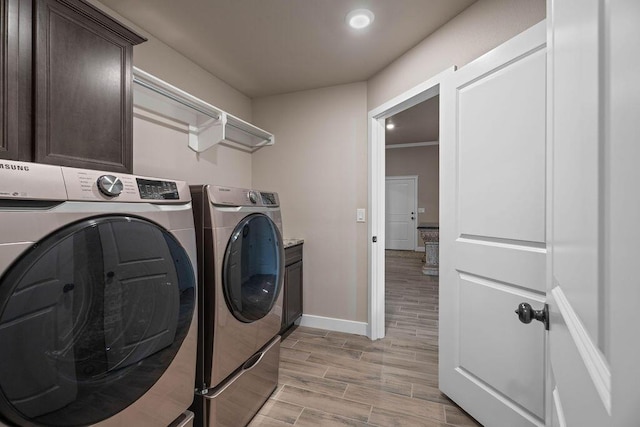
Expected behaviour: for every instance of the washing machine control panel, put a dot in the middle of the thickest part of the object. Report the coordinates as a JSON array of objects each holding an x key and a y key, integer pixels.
[
  {"x": 253, "y": 197},
  {"x": 86, "y": 184}
]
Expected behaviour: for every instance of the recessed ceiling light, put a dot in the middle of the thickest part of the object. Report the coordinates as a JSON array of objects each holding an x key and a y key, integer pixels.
[
  {"x": 390, "y": 126},
  {"x": 359, "y": 18}
]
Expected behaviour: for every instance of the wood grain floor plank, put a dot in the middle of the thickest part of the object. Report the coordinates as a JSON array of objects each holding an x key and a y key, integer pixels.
[
  {"x": 322, "y": 385},
  {"x": 372, "y": 380},
  {"x": 315, "y": 418},
  {"x": 288, "y": 343},
  {"x": 331, "y": 360},
  {"x": 346, "y": 408},
  {"x": 389, "y": 359},
  {"x": 382, "y": 417},
  {"x": 303, "y": 366},
  {"x": 315, "y": 348},
  {"x": 458, "y": 417},
  {"x": 427, "y": 356},
  {"x": 261, "y": 421},
  {"x": 293, "y": 353},
  {"x": 412, "y": 344},
  {"x": 380, "y": 348},
  {"x": 432, "y": 394},
  {"x": 393, "y": 402},
  {"x": 328, "y": 340},
  {"x": 310, "y": 331},
  {"x": 281, "y": 411}
]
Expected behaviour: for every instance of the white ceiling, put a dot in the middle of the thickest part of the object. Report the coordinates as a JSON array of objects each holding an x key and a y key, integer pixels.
[{"x": 265, "y": 47}]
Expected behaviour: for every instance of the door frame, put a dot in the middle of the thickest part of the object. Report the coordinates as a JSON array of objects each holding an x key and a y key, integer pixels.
[
  {"x": 376, "y": 191},
  {"x": 415, "y": 200}
]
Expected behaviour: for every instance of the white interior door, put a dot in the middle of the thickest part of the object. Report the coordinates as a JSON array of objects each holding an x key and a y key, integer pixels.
[
  {"x": 576, "y": 343},
  {"x": 594, "y": 104},
  {"x": 493, "y": 232},
  {"x": 401, "y": 212}
]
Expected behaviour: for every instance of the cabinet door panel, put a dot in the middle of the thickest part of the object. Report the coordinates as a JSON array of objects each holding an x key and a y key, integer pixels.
[
  {"x": 82, "y": 89},
  {"x": 293, "y": 295}
]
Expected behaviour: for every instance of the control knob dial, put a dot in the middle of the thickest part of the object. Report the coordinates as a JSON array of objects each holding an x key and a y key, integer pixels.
[
  {"x": 110, "y": 185},
  {"x": 253, "y": 197}
]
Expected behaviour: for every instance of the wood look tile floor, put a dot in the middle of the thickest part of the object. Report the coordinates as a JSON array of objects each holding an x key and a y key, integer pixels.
[{"x": 336, "y": 379}]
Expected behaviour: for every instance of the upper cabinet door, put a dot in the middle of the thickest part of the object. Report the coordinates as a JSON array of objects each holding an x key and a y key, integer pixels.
[{"x": 82, "y": 85}]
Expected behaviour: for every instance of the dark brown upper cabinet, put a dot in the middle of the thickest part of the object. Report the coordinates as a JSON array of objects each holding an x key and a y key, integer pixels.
[{"x": 80, "y": 76}]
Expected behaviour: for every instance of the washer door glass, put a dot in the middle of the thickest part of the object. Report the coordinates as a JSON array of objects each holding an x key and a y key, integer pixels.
[
  {"x": 253, "y": 269},
  {"x": 90, "y": 318}
]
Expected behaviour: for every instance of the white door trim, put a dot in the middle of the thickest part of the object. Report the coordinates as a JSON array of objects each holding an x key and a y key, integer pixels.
[
  {"x": 403, "y": 177},
  {"x": 376, "y": 177},
  {"x": 414, "y": 178},
  {"x": 412, "y": 144}
]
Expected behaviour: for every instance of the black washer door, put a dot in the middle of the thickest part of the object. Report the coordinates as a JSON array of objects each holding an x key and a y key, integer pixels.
[
  {"x": 253, "y": 269},
  {"x": 90, "y": 318}
]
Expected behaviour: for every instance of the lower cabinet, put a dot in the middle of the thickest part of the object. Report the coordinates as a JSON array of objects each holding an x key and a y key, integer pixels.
[{"x": 292, "y": 300}]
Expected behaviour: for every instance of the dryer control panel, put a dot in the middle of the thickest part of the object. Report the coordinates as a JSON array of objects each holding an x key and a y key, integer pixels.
[
  {"x": 269, "y": 199},
  {"x": 230, "y": 196},
  {"x": 157, "y": 190}
]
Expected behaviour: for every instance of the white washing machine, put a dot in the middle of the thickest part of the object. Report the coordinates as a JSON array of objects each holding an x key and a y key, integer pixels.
[
  {"x": 98, "y": 310},
  {"x": 241, "y": 272}
]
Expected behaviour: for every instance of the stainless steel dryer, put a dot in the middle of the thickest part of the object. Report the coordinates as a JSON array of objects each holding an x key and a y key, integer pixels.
[
  {"x": 97, "y": 298},
  {"x": 241, "y": 271}
]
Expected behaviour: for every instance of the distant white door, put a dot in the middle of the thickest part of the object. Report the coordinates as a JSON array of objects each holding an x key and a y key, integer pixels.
[
  {"x": 594, "y": 212},
  {"x": 492, "y": 232},
  {"x": 401, "y": 209}
]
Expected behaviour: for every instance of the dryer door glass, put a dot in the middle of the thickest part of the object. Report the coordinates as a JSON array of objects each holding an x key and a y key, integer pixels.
[
  {"x": 253, "y": 269},
  {"x": 90, "y": 318}
]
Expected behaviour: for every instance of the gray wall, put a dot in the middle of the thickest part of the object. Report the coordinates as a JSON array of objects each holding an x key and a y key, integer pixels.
[{"x": 318, "y": 166}]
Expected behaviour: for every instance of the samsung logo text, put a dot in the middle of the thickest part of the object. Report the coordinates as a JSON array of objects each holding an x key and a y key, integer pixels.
[{"x": 7, "y": 166}]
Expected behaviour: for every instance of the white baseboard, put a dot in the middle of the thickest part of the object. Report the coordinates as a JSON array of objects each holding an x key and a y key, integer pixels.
[{"x": 332, "y": 324}]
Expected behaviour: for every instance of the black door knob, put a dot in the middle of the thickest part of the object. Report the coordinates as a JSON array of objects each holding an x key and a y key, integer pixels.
[{"x": 526, "y": 314}]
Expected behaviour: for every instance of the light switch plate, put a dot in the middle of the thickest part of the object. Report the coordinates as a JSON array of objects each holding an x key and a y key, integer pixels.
[
  {"x": 360, "y": 216},
  {"x": 420, "y": 210}
]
